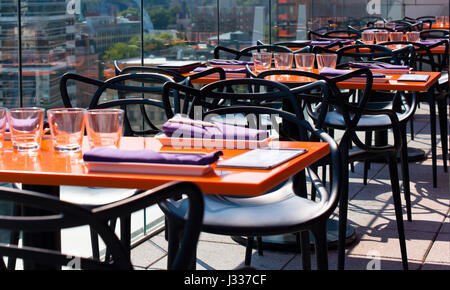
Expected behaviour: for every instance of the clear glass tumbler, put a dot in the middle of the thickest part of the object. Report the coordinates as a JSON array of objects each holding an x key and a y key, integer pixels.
[
  {"x": 104, "y": 127},
  {"x": 262, "y": 61},
  {"x": 396, "y": 36},
  {"x": 304, "y": 61},
  {"x": 367, "y": 37},
  {"x": 67, "y": 128},
  {"x": 283, "y": 60},
  {"x": 326, "y": 60},
  {"x": 412, "y": 36},
  {"x": 440, "y": 21},
  {"x": 26, "y": 127},
  {"x": 381, "y": 36}
]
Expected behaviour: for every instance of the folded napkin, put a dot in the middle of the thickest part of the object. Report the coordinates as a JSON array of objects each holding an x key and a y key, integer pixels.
[
  {"x": 429, "y": 42},
  {"x": 230, "y": 62},
  {"x": 218, "y": 131},
  {"x": 380, "y": 65},
  {"x": 105, "y": 154},
  {"x": 331, "y": 72},
  {"x": 227, "y": 70}
]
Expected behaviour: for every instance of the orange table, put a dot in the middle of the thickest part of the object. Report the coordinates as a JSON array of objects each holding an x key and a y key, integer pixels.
[
  {"x": 45, "y": 170},
  {"x": 393, "y": 83},
  {"x": 439, "y": 26},
  {"x": 47, "y": 167}
]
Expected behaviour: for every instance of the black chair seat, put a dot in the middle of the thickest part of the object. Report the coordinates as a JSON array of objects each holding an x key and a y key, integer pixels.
[
  {"x": 367, "y": 122},
  {"x": 94, "y": 196},
  {"x": 248, "y": 215}
]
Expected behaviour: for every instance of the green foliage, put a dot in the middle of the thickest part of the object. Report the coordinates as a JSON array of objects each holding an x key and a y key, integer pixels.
[{"x": 121, "y": 50}]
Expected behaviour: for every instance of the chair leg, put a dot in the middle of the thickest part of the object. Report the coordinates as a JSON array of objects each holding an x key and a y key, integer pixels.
[
  {"x": 392, "y": 160},
  {"x": 433, "y": 139},
  {"x": 343, "y": 207},
  {"x": 248, "y": 251},
  {"x": 260, "y": 245},
  {"x": 443, "y": 124},
  {"x": 321, "y": 247},
  {"x": 174, "y": 230},
  {"x": 15, "y": 236},
  {"x": 411, "y": 124},
  {"x": 405, "y": 173},
  {"x": 367, "y": 162},
  {"x": 112, "y": 225},
  {"x": 94, "y": 244},
  {"x": 125, "y": 232},
  {"x": 305, "y": 250}
]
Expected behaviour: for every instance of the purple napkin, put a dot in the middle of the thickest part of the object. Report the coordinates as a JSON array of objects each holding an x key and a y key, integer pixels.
[
  {"x": 219, "y": 132},
  {"x": 429, "y": 42},
  {"x": 386, "y": 66},
  {"x": 331, "y": 72},
  {"x": 105, "y": 154},
  {"x": 227, "y": 70},
  {"x": 230, "y": 62}
]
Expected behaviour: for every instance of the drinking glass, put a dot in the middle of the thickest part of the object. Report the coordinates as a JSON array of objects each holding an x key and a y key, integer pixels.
[
  {"x": 262, "y": 61},
  {"x": 381, "y": 36},
  {"x": 104, "y": 127},
  {"x": 67, "y": 128},
  {"x": 379, "y": 24},
  {"x": 326, "y": 60},
  {"x": 26, "y": 127},
  {"x": 367, "y": 37},
  {"x": 412, "y": 36},
  {"x": 390, "y": 25},
  {"x": 304, "y": 61},
  {"x": 283, "y": 60},
  {"x": 396, "y": 36},
  {"x": 440, "y": 20},
  {"x": 2, "y": 124}
]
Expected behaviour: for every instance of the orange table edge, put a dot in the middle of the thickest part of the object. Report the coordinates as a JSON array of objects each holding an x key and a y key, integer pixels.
[
  {"x": 47, "y": 167},
  {"x": 392, "y": 84}
]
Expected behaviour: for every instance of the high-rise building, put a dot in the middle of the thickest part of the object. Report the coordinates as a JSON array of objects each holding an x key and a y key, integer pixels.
[{"x": 48, "y": 46}]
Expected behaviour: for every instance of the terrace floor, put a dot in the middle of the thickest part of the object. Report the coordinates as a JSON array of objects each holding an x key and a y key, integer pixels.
[{"x": 371, "y": 213}]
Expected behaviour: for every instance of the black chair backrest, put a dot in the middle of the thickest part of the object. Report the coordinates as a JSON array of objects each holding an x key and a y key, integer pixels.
[
  {"x": 318, "y": 105},
  {"x": 61, "y": 215},
  {"x": 434, "y": 34},
  {"x": 375, "y": 52},
  {"x": 422, "y": 54},
  {"x": 142, "y": 84},
  {"x": 228, "y": 93},
  {"x": 247, "y": 52},
  {"x": 177, "y": 77}
]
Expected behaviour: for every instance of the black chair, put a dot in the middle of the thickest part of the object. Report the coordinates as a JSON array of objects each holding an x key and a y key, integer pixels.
[
  {"x": 176, "y": 76},
  {"x": 295, "y": 45},
  {"x": 130, "y": 94},
  {"x": 247, "y": 52},
  {"x": 338, "y": 113},
  {"x": 348, "y": 34},
  {"x": 275, "y": 212},
  {"x": 385, "y": 100},
  {"x": 434, "y": 34},
  {"x": 53, "y": 214},
  {"x": 59, "y": 215},
  {"x": 423, "y": 59}
]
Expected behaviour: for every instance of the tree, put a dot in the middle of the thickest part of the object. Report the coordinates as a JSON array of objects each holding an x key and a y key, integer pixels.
[{"x": 121, "y": 50}]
